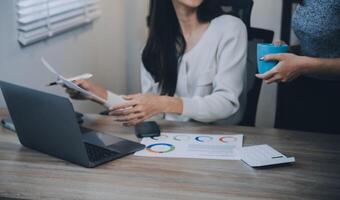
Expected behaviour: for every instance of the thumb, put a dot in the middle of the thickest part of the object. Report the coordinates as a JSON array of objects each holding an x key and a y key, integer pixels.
[
  {"x": 275, "y": 57},
  {"x": 78, "y": 82},
  {"x": 131, "y": 96},
  {"x": 127, "y": 97}
]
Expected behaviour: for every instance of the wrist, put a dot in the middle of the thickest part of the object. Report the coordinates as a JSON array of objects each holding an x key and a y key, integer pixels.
[
  {"x": 162, "y": 105},
  {"x": 170, "y": 105},
  {"x": 309, "y": 65},
  {"x": 105, "y": 94},
  {"x": 100, "y": 91}
]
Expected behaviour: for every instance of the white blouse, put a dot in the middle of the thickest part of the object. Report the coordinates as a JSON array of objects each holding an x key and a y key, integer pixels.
[{"x": 212, "y": 75}]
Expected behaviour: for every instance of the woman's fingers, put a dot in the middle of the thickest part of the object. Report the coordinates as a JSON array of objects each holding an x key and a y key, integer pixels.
[
  {"x": 79, "y": 82},
  {"x": 138, "y": 108},
  {"x": 274, "y": 57},
  {"x": 127, "y": 98},
  {"x": 129, "y": 118},
  {"x": 125, "y": 111},
  {"x": 266, "y": 76},
  {"x": 260, "y": 76},
  {"x": 85, "y": 84},
  {"x": 279, "y": 42},
  {"x": 119, "y": 112},
  {"x": 74, "y": 94},
  {"x": 275, "y": 78},
  {"x": 69, "y": 91},
  {"x": 123, "y": 106},
  {"x": 131, "y": 96}
]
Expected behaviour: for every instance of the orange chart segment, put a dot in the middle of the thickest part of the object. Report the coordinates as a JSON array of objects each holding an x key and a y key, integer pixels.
[
  {"x": 160, "y": 148},
  {"x": 228, "y": 139}
]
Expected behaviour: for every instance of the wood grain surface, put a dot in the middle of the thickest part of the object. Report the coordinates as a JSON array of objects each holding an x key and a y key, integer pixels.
[{"x": 27, "y": 174}]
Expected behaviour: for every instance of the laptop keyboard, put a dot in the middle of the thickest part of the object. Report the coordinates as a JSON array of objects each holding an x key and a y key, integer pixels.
[{"x": 97, "y": 154}]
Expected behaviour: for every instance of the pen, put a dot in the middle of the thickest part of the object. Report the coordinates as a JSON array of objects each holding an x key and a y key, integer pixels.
[
  {"x": 8, "y": 125},
  {"x": 53, "y": 83},
  {"x": 80, "y": 77}
]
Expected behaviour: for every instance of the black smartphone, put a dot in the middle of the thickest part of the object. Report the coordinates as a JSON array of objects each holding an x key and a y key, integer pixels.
[{"x": 147, "y": 129}]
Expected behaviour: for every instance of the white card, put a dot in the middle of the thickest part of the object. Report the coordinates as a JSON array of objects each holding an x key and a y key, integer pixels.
[{"x": 262, "y": 155}]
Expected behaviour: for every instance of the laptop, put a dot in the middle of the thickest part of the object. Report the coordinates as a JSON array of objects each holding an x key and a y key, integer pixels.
[{"x": 47, "y": 123}]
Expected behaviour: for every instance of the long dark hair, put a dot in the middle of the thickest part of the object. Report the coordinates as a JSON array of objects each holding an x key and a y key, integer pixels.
[{"x": 166, "y": 44}]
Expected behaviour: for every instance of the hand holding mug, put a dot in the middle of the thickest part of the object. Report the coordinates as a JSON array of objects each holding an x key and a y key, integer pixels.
[
  {"x": 290, "y": 66},
  {"x": 275, "y": 64}
]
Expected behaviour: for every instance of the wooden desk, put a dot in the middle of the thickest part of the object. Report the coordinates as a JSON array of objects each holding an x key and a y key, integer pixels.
[{"x": 27, "y": 174}]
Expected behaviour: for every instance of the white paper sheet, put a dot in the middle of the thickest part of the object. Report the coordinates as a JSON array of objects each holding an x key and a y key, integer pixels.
[
  {"x": 114, "y": 98},
  {"x": 70, "y": 84},
  {"x": 182, "y": 145}
]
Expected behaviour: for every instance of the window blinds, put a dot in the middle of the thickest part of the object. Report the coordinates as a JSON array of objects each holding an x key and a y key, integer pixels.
[{"x": 41, "y": 19}]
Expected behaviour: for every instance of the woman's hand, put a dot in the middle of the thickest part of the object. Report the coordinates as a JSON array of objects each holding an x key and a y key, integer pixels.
[
  {"x": 139, "y": 108},
  {"x": 290, "y": 66},
  {"x": 89, "y": 86},
  {"x": 279, "y": 42}
]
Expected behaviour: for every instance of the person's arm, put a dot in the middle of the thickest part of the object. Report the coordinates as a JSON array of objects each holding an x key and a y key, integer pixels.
[
  {"x": 148, "y": 85},
  {"x": 323, "y": 67},
  {"x": 166, "y": 104},
  {"x": 291, "y": 66},
  {"x": 222, "y": 103},
  {"x": 140, "y": 107}
]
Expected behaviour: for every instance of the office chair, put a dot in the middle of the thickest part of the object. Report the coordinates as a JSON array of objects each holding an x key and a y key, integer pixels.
[{"x": 243, "y": 9}]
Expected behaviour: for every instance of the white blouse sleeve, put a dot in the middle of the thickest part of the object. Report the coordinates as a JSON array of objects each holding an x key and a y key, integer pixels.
[
  {"x": 228, "y": 82},
  {"x": 148, "y": 86},
  {"x": 147, "y": 82},
  {"x": 113, "y": 100}
]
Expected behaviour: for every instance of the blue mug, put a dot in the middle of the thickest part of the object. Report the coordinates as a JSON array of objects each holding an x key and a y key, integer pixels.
[{"x": 266, "y": 49}]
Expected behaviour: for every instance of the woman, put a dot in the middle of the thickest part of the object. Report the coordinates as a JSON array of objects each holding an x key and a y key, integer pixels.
[
  {"x": 193, "y": 65},
  {"x": 311, "y": 102}
]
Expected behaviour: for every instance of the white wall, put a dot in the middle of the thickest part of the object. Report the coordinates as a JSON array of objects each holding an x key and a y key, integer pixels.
[
  {"x": 104, "y": 49},
  {"x": 136, "y": 32},
  {"x": 267, "y": 15}
]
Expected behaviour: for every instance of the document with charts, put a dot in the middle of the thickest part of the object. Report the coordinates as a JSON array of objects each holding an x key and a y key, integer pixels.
[{"x": 182, "y": 145}]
